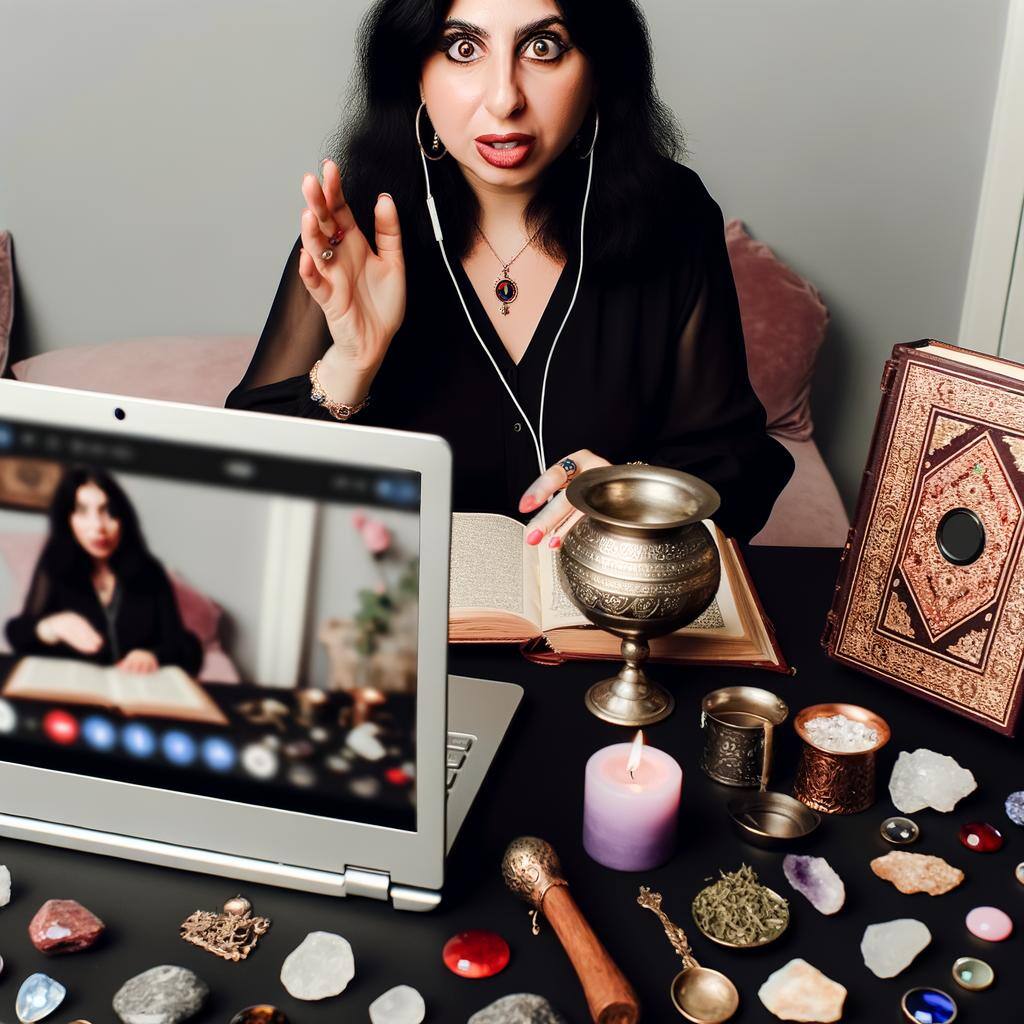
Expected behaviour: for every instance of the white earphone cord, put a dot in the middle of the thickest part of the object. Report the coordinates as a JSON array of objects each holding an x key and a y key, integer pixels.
[{"x": 538, "y": 443}]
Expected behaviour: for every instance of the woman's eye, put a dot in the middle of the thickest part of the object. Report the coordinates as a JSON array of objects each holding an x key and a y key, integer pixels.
[
  {"x": 462, "y": 50},
  {"x": 545, "y": 48}
]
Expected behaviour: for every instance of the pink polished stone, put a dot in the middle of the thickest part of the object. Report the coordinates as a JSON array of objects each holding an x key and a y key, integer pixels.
[
  {"x": 64, "y": 926},
  {"x": 981, "y": 837},
  {"x": 989, "y": 923},
  {"x": 476, "y": 954}
]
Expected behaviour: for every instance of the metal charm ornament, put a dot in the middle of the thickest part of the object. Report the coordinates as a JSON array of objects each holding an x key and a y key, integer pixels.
[{"x": 231, "y": 934}]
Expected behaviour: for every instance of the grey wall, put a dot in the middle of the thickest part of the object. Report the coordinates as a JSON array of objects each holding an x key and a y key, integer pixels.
[{"x": 151, "y": 153}]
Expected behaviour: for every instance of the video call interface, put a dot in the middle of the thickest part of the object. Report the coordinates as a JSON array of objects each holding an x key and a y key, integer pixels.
[{"x": 210, "y": 621}]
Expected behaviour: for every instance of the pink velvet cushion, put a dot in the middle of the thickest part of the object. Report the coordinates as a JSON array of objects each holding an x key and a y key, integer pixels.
[
  {"x": 784, "y": 322},
  {"x": 199, "y": 370}
]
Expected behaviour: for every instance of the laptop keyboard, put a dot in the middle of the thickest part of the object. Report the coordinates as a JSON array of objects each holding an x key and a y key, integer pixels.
[{"x": 459, "y": 745}]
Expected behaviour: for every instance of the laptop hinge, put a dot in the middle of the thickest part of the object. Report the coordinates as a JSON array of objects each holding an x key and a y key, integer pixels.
[{"x": 374, "y": 885}]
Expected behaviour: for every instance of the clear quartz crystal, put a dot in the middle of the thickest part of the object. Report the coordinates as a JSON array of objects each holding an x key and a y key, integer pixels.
[
  {"x": 399, "y": 1005},
  {"x": 927, "y": 779},
  {"x": 321, "y": 965},
  {"x": 841, "y": 734},
  {"x": 5, "y": 885},
  {"x": 890, "y": 947}
]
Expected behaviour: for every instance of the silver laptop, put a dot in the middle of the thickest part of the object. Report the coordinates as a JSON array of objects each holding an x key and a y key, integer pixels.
[{"x": 223, "y": 644}]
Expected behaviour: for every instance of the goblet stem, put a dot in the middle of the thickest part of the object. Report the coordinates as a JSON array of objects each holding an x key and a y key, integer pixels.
[{"x": 629, "y": 697}]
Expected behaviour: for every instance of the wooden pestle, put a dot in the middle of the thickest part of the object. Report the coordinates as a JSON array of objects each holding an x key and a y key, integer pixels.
[{"x": 532, "y": 871}]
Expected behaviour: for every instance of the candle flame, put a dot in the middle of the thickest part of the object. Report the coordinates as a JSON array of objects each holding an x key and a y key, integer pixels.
[{"x": 635, "y": 754}]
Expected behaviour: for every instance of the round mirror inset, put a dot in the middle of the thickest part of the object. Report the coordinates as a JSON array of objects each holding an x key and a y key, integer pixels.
[{"x": 960, "y": 536}]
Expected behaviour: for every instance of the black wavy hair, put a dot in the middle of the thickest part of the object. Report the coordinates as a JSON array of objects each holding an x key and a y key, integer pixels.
[
  {"x": 634, "y": 159},
  {"x": 64, "y": 558}
]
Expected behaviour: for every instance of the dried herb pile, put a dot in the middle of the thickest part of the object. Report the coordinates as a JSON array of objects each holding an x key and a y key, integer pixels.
[{"x": 739, "y": 910}]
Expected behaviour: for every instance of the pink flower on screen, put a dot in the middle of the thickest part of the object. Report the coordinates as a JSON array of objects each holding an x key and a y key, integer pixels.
[{"x": 376, "y": 537}]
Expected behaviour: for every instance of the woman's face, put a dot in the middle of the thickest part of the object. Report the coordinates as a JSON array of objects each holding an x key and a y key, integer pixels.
[
  {"x": 92, "y": 524},
  {"x": 505, "y": 68}
]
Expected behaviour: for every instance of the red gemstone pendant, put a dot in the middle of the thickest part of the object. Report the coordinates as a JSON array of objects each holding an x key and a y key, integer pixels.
[
  {"x": 476, "y": 954},
  {"x": 981, "y": 837}
]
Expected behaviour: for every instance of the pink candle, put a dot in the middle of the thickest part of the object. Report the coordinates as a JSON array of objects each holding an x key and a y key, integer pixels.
[{"x": 631, "y": 805}]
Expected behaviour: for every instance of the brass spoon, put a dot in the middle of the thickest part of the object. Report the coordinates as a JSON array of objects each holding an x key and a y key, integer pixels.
[{"x": 700, "y": 994}]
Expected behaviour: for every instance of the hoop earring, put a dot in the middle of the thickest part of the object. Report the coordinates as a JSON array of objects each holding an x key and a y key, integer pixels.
[
  {"x": 593, "y": 141},
  {"x": 420, "y": 144}
]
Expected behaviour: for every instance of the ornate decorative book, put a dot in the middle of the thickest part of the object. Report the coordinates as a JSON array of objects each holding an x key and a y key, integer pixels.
[{"x": 930, "y": 592}]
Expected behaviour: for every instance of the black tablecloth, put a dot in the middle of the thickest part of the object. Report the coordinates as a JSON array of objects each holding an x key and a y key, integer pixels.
[{"x": 535, "y": 787}]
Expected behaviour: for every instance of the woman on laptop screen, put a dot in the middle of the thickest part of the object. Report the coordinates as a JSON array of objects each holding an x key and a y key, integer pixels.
[
  {"x": 516, "y": 261},
  {"x": 97, "y": 593}
]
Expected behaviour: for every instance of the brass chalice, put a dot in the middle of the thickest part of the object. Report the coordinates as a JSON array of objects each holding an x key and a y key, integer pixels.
[{"x": 639, "y": 564}]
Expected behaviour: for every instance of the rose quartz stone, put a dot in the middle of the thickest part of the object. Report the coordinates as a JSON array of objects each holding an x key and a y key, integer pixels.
[
  {"x": 64, "y": 926},
  {"x": 989, "y": 923}
]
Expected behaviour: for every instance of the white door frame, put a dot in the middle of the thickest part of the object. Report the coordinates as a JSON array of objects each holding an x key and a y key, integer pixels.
[{"x": 992, "y": 317}]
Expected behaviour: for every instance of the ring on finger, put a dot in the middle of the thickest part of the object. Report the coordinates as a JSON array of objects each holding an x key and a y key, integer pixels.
[
  {"x": 336, "y": 238},
  {"x": 327, "y": 254},
  {"x": 570, "y": 467}
]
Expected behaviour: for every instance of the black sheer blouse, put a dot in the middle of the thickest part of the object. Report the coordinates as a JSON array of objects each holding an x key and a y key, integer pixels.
[{"x": 650, "y": 365}]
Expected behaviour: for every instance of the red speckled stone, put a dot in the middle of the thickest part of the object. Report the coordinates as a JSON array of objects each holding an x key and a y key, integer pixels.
[
  {"x": 64, "y": 926},
  {"x": 476, "y": 954},
  {"x": 981, "y": 837}
]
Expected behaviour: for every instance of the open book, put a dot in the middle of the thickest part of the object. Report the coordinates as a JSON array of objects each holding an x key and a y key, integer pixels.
[
  {"x": 167, "y": 693},
  {"x": 503, "y": 590}
]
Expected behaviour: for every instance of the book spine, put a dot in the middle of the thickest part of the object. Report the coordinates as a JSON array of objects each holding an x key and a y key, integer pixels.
[{"x": 867, "y": 490}]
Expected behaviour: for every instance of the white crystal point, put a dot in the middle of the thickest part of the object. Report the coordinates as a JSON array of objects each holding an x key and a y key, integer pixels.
[
  {"x": 816, "y": 879},
  {"x": 927, "y": 779},
  {"x": 5, "y": 885},
  {"x": 399, "y": 1005},
  {"x": 321, "y": 965},
  {"x": 799, "y": 991},
  {"x": 890, "y": 947}
]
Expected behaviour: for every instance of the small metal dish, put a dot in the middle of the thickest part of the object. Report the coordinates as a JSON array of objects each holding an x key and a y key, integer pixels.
[
  {"x": 784, "y": 908},
  {"x": 772, "y": 819}
]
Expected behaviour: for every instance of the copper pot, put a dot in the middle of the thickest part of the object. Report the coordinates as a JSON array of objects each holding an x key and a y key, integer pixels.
[{"x": 834, "y": 782}]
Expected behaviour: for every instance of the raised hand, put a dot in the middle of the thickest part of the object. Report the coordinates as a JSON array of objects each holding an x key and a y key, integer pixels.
[
  {"x": 70, "y": 628},
  {"x": 361, "y": 292}
]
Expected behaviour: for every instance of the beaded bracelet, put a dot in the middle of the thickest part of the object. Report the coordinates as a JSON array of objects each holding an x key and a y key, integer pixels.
[{"x": 339, "y": 410}]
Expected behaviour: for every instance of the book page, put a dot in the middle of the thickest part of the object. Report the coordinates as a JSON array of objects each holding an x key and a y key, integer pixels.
[
  {"x": 720, "y": 619},
  {"x": 492, "y": 566},
  {"x": 169, "y": 687},
  {"x": 65, "y": 679}
]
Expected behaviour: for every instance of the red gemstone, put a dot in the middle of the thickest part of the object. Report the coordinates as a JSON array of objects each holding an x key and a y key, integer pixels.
[
  {"x": 64, "y": 926},
  {"x": 398, "y": 777},
  {"x": 60, "y": 726},
  {"x": 476, "y": 954},
  {"x": 981, "y": 837}
]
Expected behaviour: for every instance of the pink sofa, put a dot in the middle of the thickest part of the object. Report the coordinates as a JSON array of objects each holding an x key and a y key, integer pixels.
[{"x": 784, "y": 322}]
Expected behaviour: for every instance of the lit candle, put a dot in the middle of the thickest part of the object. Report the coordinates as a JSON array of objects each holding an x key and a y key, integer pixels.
[{"x": 631, "y": 805}]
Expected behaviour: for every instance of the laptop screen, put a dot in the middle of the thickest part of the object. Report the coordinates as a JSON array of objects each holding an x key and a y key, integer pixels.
[{"x": 210, "y": 621}]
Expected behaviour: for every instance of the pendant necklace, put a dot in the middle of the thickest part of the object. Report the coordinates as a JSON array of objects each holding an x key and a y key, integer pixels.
[{"x": 505, "y": 288}]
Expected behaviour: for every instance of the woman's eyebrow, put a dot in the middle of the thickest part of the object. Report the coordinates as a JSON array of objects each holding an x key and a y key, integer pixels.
[{"x": 524, "y": 30}]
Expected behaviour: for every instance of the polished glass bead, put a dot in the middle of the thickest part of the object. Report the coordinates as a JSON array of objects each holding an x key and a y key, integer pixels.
[
  {"x": 981, "y": 837},
  {"x": 1018, "y": 872},
  {"x": 928, "y": 1006},
  {"x": 260, "y": 1014},
  {"x": 989, "y": 923},
  {"x": 476, "y": 954},
  {"x": 900, "y": 831},
  {"x": 973, "y": 974}
]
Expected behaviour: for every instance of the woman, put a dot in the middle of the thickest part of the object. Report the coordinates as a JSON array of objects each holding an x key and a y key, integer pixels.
[
  {"x": 97, "y": 593},
  {"x": 529, "y": 113}
]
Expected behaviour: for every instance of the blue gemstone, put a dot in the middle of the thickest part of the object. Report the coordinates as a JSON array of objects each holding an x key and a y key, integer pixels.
[
  {"x": 1015, "y": 807},
  {"x": 138, "y": 739},
  {"x": 38, "y": 997},
  {"x": 179, "y": 748},
  {"x": 218, "y": 754},
  {"x": 99, "y": 732},
  {"x": 929, "y": 1006}
]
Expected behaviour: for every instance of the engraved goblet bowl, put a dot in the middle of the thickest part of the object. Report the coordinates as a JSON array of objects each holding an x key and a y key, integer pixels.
[{"x": 640, "y": 564}]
